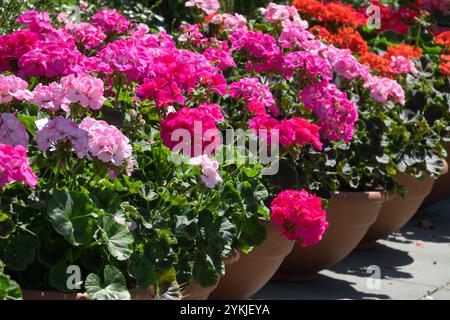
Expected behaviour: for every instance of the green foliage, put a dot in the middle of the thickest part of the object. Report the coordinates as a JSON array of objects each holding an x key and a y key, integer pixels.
[
  {"x": 9, "y": 289},
  {"x": 111, "y": 287}
]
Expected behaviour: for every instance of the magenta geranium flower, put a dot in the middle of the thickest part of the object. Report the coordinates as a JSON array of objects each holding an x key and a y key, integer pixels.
[
  {"x": 300, "y": 216},
  {"x": 14, "y": 166}
]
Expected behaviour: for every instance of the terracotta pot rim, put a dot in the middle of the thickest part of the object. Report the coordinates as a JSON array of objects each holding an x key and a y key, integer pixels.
[
  {"x": 445, "y": 169},
  {"x": 233, "y": 257},
  {"x": 366, "y": 195}
]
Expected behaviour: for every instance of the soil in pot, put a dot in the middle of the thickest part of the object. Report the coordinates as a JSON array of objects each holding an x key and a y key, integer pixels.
[
  {"x": 246, "y": 277},
  {"x": 441, "y": 189},
  {"x": 350, "y": 215},
  {"x": 395, "y": 214}
]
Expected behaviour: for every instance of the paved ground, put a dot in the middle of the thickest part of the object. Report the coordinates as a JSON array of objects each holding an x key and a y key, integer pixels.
[{"x": 414, "y": 264}]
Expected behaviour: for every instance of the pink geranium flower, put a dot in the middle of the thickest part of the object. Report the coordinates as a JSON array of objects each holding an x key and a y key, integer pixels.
[
  {"x": 12, "y": 131},
  {"x": 60, "y": 130},
  {"x": 106, "y": 142},
  {"x": 110, "y": 21},
  {"x": 14, "y": 166},
  {"x": 191, "y": 130},
  {"x": 300, "y": 216},
  {"x": 208, "y": 6},
  {"x": 210, "y": 176}
]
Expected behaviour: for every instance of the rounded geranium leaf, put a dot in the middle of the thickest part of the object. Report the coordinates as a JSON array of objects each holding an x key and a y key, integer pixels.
[
  {"x": 71, "y": 216},
  {"x": 116, "y": 236},
  {"x": 112, "y": 287}
]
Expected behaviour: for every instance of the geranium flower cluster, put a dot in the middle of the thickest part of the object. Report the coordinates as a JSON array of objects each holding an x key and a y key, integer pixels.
[
  {"x": 337, "y": 114},
  {"x": 110, "y": 21},
  {"x": 290, "y": 132},
  {"x": 14, "y": 166},
  {"x": 300, "y": 216},
  {"x": 396, "y": 20},
  {"x": 106, "y": 142},
  {"x": 381, "y": 89},
  {"x": 345, "y": 37},
  {"x": 12, "y": 87},
  {"x": 83, "y": 89},
  {"x": 252, "y": 91},
  {"x": 344, "y": 63},
  {"x": 60, "y": 130},
  {"x": 209, "y": 6},
  {"x": 443, "y": 40},
  {"x": 12, "y": 131},
  {"x": 398, "y": 60},
  {"x": 330, "y": 12},
  {"x": 209, "y": 176},
  {"x": 191, "y": 130},
  {"x": 229, "y": 22}
]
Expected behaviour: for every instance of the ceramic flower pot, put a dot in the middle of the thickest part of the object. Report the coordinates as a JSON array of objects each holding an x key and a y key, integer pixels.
[
  {"x": 254, "y": 270},
  {"x": 395, "y": 214},
  {"x": 441, "y": 188},
  {"x": 349, "y": 215},
  {"x": 196, "y": 292}
]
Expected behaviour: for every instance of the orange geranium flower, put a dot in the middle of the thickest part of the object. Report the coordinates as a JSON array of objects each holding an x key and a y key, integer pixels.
[
  {"x": 331, "y": 12},
  {"x": 404, "y": 50},
  {"x": 321, "y": 33},
  {"x": 351, "y": 39},
  {"x": 444, "y": 67},
  {"x": 443, "y": 39},
  {"x": 377, "y": 63}
]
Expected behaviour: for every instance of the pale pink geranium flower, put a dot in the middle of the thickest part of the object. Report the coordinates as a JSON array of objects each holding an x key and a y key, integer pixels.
[
  {"x": 12, "y": 131},
  {"x": 381, "y": 89},
  {"x": 401, "y": 65},
  {"x": 106, "y": 142},
  {"x": 60, "y": 130},
  {"x": 208, "y": 6},
  {"x": 231, "y": 22},
  {"x": 210, "y": 176},
  {"x": 85, "y": 90},
  {"x": 12, "y": 87}
]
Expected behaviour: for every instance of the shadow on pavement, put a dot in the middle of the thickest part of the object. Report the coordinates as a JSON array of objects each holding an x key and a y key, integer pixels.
[
  {"x": 388, "y": 259},
  {"x": 322, "y": 288}
]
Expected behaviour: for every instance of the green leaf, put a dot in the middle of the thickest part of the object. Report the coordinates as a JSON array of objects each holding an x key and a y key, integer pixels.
[
  {"x": 112, "y": 287},
  {"x": 9, "y": 289},
  {"x": 71, "y": 215},
  {"x": 434, "y": 164},
  {"x": 7, "y": 226},
  {"x": 186, "y": 228},
  {"x": 204, "y": 271},
  {"x": 28, "y": 122},
  {"x": 117, "y": 237},
  {"x": 142, "y": 270},
  {"x": 261, "y": 192},
  {"x": 18, "y": 252},
  {"x": 58, "y": 277}
]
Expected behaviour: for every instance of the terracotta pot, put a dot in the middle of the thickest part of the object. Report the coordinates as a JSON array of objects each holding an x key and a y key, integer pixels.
[
  {"x": 395, "y": 214},
  {"x": 54, "y": 295},
  {"x": 350, "y": 215},
  {"x": 246, "y": 277},
  {"x": 441, "y": 189},
  {"x": 192, "y": 292},
  {"x": 196, "y": 292}
]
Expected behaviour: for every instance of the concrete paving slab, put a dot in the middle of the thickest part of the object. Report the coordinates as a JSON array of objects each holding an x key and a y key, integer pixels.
[
  {"x": 441, "y": 295},
  {"x": 414, "y": 263}
]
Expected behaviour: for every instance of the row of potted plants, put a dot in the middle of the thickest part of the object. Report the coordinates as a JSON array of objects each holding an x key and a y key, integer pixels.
[{"x": 120, "y": 177}]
